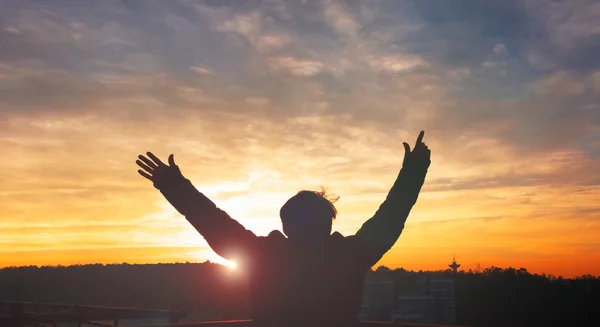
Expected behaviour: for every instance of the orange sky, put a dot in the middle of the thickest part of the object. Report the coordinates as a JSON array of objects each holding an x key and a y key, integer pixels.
[{"x": 256, "y": 105}]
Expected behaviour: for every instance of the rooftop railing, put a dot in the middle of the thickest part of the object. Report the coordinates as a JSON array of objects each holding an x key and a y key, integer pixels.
[{"x": 21, "y": 314}]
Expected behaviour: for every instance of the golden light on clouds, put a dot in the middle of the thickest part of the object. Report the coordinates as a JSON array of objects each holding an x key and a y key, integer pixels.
[{"x": 78, "y": 198}]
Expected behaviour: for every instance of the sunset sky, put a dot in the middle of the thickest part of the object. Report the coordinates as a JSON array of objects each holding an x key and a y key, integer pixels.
[{"x": 258, "y": 100}]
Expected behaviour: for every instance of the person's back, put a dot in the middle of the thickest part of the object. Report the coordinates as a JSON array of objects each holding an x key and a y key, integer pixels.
[
  {"x": 308, "y": 276},
  {"x": 319, "y": 284}
]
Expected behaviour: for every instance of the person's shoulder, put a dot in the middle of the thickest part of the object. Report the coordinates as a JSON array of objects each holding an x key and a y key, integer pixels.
[
  {"x": 337, "y": 237},
  {"x": 342, "y": 244},
  {"x": 274, "y": 236}
]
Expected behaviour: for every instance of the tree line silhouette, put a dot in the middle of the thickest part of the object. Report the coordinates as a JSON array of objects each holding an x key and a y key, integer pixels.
[
  {"x": 490, "y": 297},
  {"x": 495, "y": 296}
]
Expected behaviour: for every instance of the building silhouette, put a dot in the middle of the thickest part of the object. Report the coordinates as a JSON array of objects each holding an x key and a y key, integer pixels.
[
  {"x": 454, "y": 266},
  {"x": 431, "y": 303},
  {"x": 379, "y": 300}
]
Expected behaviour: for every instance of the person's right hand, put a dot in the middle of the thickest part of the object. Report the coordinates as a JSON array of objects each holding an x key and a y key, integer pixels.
[
  {"x": 156, "y": 171},
  {"x": 420, "y": 156}
]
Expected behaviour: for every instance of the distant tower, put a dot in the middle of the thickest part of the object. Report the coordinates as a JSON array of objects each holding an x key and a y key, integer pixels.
[{"x": 454, "y": 265}]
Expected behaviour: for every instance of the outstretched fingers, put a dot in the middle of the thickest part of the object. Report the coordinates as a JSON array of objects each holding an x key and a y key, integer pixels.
[
  {"x": 147, "y": 162},
  {"x": 155, "y": 159},
  {"x": 145, "y": 166},
  {"x": 406, "y": 148},
  {"x": 144, "y": 174},
  {"x": 420, "y": 139}
]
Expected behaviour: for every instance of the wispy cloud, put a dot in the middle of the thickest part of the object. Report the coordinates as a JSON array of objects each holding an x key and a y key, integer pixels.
[
  {"x": 201, "y": 70},
  {"x": 295, "y": 66},
  {"x": 340, "y": 19},
  {"x": 246, "y": 25},
  {"x": 395, "y": 64}
]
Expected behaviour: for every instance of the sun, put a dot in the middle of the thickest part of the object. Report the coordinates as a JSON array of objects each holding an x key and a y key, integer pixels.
[
  {"x": 224, "y": 262},
  {"x": 229, "y": 264}
]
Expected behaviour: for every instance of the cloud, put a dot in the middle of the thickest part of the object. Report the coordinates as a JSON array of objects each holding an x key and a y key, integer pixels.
[
  {"x": 257, "y": 101},
  {"x": 569, "y": 23},
  {"x": 201, "y": 70},
  {"x": 559, "y": 84},
  {"x": 57, "y": 90},
  {"x": 279, "y": 8},
  {"x": 247, "y": 25},
  {"x": 268, "y": 43},
  {"x": 12, "y": 30},
  {"x": 295, "y": 66},
  {"x": 395, "y": 64},
  {"x": 591, "y": 144},
  {"x": 340, "y": 19},
  {"x": 500, "y": 49}
]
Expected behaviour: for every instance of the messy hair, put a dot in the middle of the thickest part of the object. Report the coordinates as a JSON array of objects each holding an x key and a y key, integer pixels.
[
  {"x": 324, "y": 203},
  {"x": 331, "y": 198}
]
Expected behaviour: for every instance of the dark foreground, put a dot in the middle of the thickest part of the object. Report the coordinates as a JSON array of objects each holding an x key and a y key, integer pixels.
[{"x": 491, "y": 297}]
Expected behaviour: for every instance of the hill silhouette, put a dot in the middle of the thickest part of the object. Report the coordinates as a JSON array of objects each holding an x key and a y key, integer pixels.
[{"x": 491, "y": 297}]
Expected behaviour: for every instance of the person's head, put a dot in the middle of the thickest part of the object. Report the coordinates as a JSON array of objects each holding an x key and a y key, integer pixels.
[{"x": 308, "y": 215}]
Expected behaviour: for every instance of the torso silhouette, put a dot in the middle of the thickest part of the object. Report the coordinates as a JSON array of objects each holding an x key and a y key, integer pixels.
[
  {"x": 306, "y": 283},
  {"x": 301, "y": 284}
]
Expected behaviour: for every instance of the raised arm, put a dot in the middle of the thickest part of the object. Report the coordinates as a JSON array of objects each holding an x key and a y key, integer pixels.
[
  {"x": 378, "y": 234},
  {"x": 226, "y": 236}
]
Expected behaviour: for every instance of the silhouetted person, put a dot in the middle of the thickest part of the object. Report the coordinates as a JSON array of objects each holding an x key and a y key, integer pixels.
[{"x": 307, "y": 277}]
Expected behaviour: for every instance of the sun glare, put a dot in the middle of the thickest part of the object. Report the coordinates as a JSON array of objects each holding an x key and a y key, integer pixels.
[
  {"x": 229, "y": 264},
  {"x": 217, "y": 259}
]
